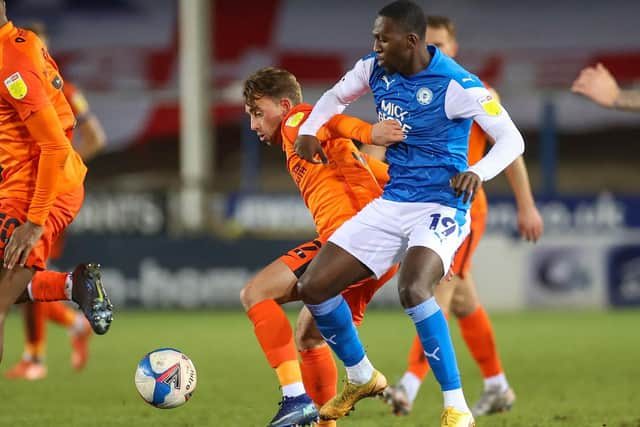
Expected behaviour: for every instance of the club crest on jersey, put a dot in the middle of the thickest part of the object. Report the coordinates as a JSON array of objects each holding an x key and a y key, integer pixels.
[
  {"x": 16, "y": 86},
  {"x": 490, "y": 105},
  {"x": 424, "y": 95},
  {"x": 294, "y": 120}
]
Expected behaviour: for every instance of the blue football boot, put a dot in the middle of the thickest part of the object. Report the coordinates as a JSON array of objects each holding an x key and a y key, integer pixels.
[{"x": 294, "y": 412}]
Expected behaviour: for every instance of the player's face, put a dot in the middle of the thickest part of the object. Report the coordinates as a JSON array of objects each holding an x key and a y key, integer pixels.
[
  {"x": 266, "y": 115},
  {"x": 390, "y": 45},
  {"x": 441, "y": 38}
]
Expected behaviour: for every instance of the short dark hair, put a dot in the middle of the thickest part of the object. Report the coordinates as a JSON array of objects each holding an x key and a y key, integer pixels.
[
  {"x": 272, "y": 82},
  {"x": 435, "y": 21},
  {"x": 408, "y": 15}
]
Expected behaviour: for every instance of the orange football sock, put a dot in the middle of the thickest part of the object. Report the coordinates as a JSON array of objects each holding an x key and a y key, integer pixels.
[
  {"x": 35, "y": 317},
  {"x": 49, "y": 286},
  {"x": 418, "y": 364},
  {"x": 61, "y": 313},
  {"x": 319, "y": 374},
  {"x": 478, "y": 334},
  {"x": 275, "y": 336}
]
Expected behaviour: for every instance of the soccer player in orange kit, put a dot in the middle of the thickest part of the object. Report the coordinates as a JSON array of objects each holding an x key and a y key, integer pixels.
[
  {"x": 90, "y": 140},
  {"x": 459, "y": 295},
  {"x": 333, "y": 194},
  {"x": 42, "y": 181}
]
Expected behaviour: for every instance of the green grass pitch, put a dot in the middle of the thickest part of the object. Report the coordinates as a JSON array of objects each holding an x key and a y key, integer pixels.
[{"x": 567, "y": 368}]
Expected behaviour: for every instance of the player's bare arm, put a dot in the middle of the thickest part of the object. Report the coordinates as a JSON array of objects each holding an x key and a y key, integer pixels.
[
  {"x": 599, "y": 85},
  {"x": 530, "y": 223}
]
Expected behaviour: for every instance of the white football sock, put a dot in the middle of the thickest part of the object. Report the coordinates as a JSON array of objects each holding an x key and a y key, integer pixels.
[
  {"x": 495, "y": 381},
  {"x": 361, "y": 372},
  {"x": 411, "y": 385},
  {"x": 293, "y": 390},
  {"x": 456, "y": 399}
]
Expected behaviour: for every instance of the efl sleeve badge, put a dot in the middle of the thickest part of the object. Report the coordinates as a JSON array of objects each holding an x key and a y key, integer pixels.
[
  {"x": 16, "y": 86},
  {"x": 490, "y": 105}
]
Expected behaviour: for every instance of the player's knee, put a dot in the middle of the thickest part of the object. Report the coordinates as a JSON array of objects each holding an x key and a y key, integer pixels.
[
  {"x": 412, "y": 293},
  {"x": 308, "y": 291},
  {"x": 462, "y": 305},
  {"x": 249, "y": 296}
]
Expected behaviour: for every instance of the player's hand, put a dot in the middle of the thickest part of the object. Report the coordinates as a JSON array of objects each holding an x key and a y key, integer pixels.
[
  {"x": 386, "y": 132},
  {"x": 21, "y": 243},
  {"x": 467, "y": 184},
  {"x": 598, "y": 84},
  {"x": 309, "y": 148},
  {"x": 530, "y": 224}
]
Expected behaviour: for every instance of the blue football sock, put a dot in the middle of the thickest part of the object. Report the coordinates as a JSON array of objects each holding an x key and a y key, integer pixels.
[
  {"x": 436, "y": 341},
  {"x": 335, "y": 323}
]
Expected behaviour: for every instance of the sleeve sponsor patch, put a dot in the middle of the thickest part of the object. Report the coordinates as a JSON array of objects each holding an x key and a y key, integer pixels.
[
  {"x": 294, "y": 120},
  {"x": 490, "y": 105},
  {"x": 16, "y": 86}
]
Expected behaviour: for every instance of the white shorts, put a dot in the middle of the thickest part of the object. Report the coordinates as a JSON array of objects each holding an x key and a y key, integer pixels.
[{"x": 380, "y": 234}]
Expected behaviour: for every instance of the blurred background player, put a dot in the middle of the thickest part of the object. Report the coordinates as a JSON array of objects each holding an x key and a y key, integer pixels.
[
  {"x": 459, "y": 295},
  {"x": 90, "y": 140},
  {"x": 273, "y": 100},
  {"x": 597, "y": 84}
]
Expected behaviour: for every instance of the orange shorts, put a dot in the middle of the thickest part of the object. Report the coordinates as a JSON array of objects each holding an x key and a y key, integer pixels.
[
  {"x": 357, "y": 295},
  {"x": 462, "y": 261},
  {"x": 64, "y": 210}
]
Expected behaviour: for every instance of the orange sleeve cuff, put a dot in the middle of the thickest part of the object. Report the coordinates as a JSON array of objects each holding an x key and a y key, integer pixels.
[
  {"x": 343, "y": 126},
  {"x": 46, "y": 129}
]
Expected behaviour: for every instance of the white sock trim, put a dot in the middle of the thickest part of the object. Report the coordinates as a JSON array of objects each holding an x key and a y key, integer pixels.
[
  {"x": 68, "y": 286},
  {"x": 293, "y": 390},
  {"x": 29, "y": 290},
  {"x": 361, "y": 372}
]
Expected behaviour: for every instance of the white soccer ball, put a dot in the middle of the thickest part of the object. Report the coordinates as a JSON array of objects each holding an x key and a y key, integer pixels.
[{"x": 166, "y": 378}]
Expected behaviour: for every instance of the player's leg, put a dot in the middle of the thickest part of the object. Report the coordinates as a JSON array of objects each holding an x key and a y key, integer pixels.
[
  {"x": 348, "y": 258},
  {"x": 318, "y": 366},
  {"x": 261, "y": 298},
  {"x": 84, "y": 285},
  {"x": 401, "y": 396},
  {"x": 435, "y": 234},
  {"x": 32, "y": 366},
  {"x": 319, "y": 370},
  {"x": 78, "y": 327},
  {"x": 12, "y": 284},
  {"x": 477, "y": 332}
]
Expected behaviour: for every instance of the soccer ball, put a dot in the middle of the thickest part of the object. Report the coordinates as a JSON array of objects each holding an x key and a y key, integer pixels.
[{"x": 166, "y": 378}]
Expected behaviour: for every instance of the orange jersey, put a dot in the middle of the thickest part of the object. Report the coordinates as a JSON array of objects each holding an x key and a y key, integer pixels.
[
  {"x": 76, "y": 100},
  {"x": 335, "y": 192},
  {"x": 37, "y": 160},
  {"x": 477, "y": 147}
]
